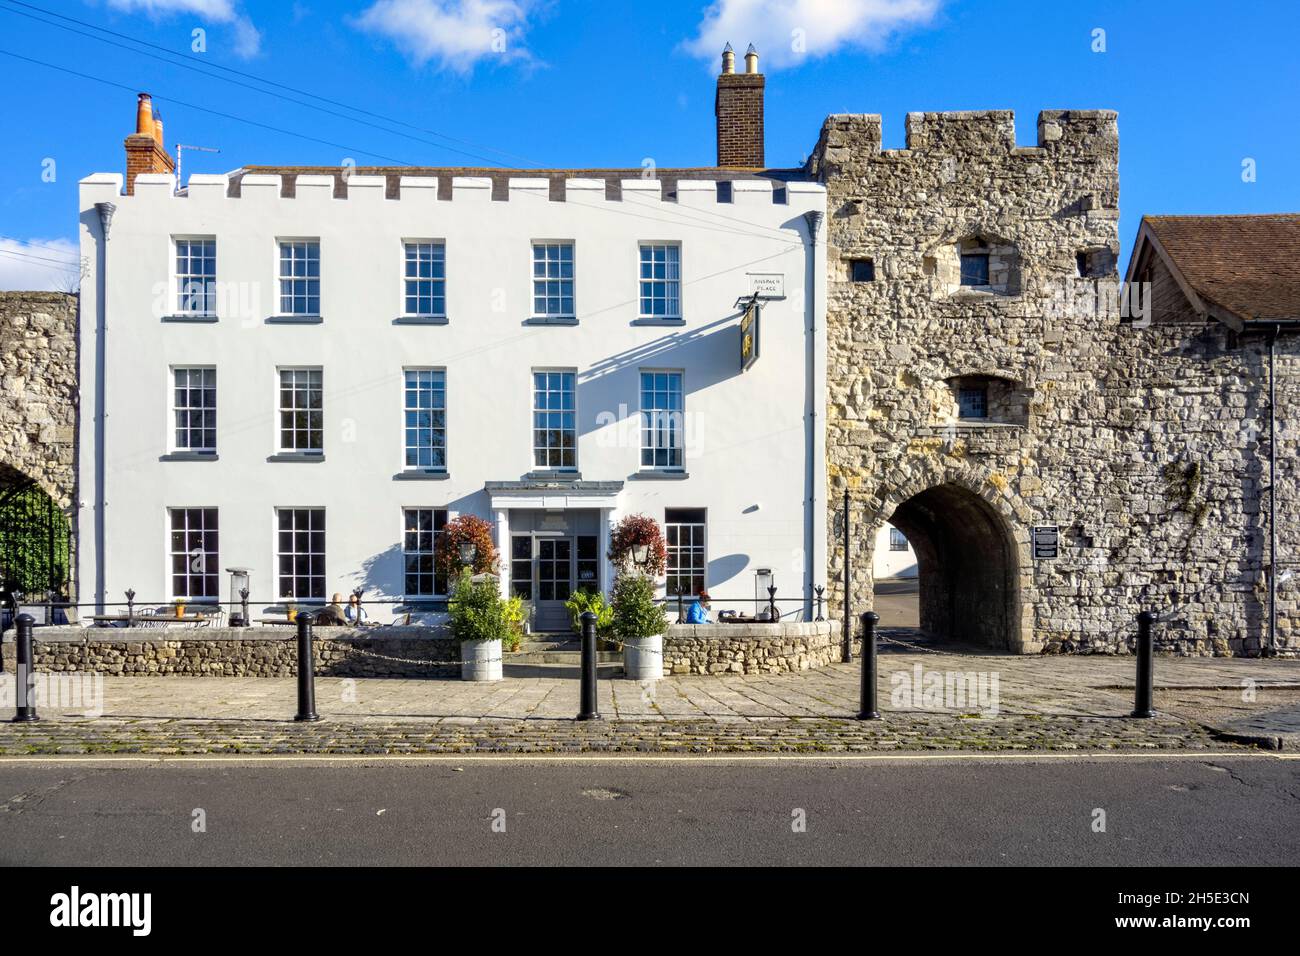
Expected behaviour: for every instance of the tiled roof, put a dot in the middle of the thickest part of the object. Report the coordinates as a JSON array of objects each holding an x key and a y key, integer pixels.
[{"x": 1247, "y": 265}]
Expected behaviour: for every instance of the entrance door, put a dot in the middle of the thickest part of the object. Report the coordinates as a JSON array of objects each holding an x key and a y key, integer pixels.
[{"x": 554, "y": 570}]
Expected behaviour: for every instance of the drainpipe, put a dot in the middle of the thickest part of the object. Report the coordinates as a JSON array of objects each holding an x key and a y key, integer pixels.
[
  {"x": 814, "y": 220},
  {"x": 105, "y": 210},
  {"x": 1272, "y": 494}
]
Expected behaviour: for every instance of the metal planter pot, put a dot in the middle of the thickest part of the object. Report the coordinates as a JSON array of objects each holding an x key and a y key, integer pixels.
[
  {"x": 480, "y": 660},
  {"x": 643, "y": 657}
]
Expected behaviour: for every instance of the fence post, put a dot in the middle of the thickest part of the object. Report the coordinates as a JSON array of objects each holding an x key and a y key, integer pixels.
[
  {"x": 24, "y": 691},
  {"x": 306, "y": 672},
  {"x": 587, "y": 705},
  {"x": 681, "y": 604},
  {"x": 868, "y": 698},
  {"x": 847, "y": 657},
  {"x": 771, "y": 605},
  {"x": 130, "y": 607},
  {"x": 819, "y": 589},
  {"x": 1143, "y": 689},
  {"x": 243, "y": 608}
]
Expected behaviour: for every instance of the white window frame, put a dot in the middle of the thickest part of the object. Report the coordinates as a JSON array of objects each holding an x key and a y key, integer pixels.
[
  {"x": 179, "y": 279},
  {"x": 677, "y": 549},
  {"x": 324, "y": 554},
  {"x": 670, "y": 283},
  {"x": 174, "y": 410},
  {"x": 897, "y": 540},
  {"x": 435, "y": 594},
  {"x": 280, "y": 410},
  {"x": 533, "y": 429},
  {"x": 571, "y": 280},
  {"x": 652, "y": 431},
  {"x": 440, "y": 282},
  {"x": 407, "y": 410},
  {"x": 281, "y": 278},
  {"x": 189, "y": 554}
]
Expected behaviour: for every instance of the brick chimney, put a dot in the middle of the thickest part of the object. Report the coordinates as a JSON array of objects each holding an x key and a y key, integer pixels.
[
  {"x": 739, "y": 108},
  {"x": 145, "y": 152}
]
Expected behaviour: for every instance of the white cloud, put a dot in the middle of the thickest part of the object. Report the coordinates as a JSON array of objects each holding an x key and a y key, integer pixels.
[
  {"x": 456, "y": 34},
  {"x": 248, "y": 40},
  {"x": 39, "y": 265},
  {"x": 787, "y": 32}
]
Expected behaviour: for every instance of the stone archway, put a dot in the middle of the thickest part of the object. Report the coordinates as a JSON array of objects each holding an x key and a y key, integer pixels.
[{"x": 972, "y": 548}]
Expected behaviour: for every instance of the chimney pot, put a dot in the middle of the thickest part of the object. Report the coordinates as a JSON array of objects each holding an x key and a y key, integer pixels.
[
  {"x": 728, "y": 59},
  {"x": 158, "y": 129},
  {"x": 144, "y": 114},
  {"x": 751, "y": 60}
]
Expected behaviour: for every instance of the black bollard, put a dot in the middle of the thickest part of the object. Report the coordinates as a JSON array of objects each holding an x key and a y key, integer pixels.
[
  {"x": 771, "y": 605},
  {"x": 819, "y": 589},
  {"x": 24, "y": 691},
  {"x": 306, "y": 672},
  {"x": 244, "y": 620},
  {"x": 1144, "y": 689},
  {"x": 130, "y": 607},
  {"x": 587, "y": 706},
  {"x": 869, "y": 711},
  {"x": 681, "y": 605}
]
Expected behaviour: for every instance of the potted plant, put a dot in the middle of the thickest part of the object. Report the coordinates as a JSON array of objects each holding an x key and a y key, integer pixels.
[
  {"x": 639, "y": 622},
  {"x": 480, "y": 620},
  {"x": 516, "y": 616},
  {"x": 180, "y": 607},
  {"x": 585, "y": 600}
]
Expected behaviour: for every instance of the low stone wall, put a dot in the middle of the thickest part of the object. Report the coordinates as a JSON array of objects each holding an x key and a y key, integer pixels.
[
  {"x": 750, "y": 648},
  {"x": 244, "y": 652}
]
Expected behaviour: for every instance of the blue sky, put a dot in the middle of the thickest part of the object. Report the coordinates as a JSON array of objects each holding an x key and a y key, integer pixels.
[{"x": 1200, "y": 87}]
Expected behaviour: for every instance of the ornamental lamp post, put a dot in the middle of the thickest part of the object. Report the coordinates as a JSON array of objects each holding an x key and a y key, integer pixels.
[
  {"x": 239, "y": 591},
  {"x": 641, "y": 554},
  {"x": 763, "y": 584}
]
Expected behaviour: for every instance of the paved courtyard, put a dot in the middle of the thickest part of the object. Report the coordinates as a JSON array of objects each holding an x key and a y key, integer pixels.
[{"x": 1025, "y": 703}]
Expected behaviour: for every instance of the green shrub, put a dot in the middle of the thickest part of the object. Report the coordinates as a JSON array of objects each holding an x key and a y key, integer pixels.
[
  {"x": 635, "y": 612},
  {"x": 515, "y": 617},
  {"x": 478, "y": 612},
  {"x": 593, "y": 601}
]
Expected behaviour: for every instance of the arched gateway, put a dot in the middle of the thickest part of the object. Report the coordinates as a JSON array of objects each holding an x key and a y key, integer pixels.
[{"x": 972, "y": 552}]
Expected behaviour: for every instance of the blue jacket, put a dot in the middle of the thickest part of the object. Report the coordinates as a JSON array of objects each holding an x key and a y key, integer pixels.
[{"x": 698, "y": 614}]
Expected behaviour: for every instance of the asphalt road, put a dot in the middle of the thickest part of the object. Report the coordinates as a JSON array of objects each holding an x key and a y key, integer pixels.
[{"x": 1227, "y": 810}]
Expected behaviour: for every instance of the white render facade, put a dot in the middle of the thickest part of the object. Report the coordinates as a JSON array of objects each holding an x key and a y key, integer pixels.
[{"x": 268, "y": 415}]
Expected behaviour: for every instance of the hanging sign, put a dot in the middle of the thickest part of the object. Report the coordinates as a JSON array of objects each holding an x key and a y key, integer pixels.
[{"x": 749, "y": 335}]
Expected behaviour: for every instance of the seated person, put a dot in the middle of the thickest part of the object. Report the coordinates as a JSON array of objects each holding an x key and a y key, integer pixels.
[
  {"x": 355, "y": 613},
  {"x": 699, "y": 612},
  {"x": 333, "y": 612}
]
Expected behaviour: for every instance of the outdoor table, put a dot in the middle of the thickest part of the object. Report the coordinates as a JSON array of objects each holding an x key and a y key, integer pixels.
[{"x": 134, "y": 619}]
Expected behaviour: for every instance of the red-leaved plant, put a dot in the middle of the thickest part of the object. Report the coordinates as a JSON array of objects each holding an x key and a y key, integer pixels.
[
  {"x": 446, "y": 550},
  {"x": 635, "y": 530}
]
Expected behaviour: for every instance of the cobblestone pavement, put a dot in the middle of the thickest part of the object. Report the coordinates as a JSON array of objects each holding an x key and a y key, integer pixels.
[{"x": 1042, "y": 703}]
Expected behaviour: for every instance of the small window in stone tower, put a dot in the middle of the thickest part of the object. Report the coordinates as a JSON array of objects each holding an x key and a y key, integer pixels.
[
  {"x": 862, "y": 270},
  {"x": 975, "y": 268},
  {"x": 973, "y": 401}
]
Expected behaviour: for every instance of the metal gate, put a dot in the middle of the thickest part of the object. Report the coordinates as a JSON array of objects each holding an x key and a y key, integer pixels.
[{"x": 35, "y": 544}]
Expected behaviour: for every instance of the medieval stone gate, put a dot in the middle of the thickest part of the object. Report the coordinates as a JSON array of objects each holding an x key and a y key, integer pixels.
[{"x": 38, "y": 423}]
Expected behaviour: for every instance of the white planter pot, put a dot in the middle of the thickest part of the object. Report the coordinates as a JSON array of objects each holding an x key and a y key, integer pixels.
[
  {"x": 643, "y": 657},
  {"x": 480, "y": 660}
]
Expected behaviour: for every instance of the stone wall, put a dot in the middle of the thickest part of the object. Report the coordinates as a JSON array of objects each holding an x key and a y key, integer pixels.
[
  {"x": 239, "y": 652},
  {"x": 752, "y": 649},
  {"x": 38, "y": 391},
  {"x": 1143, "y": 445}
]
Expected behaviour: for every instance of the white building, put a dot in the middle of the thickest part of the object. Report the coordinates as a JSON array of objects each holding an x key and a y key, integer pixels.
[
  {"x": 893, "y": 556},
  {"x": 307, "y": 372}
]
